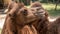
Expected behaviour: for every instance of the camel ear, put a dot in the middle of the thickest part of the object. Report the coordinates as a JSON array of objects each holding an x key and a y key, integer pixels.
[
  {"x": 46, "y": 14},
  {"x": 21, "y": 4},
  {"x": 36, "y": 4}
]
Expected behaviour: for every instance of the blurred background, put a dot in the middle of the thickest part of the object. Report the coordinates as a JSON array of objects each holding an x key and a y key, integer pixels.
[{"x": 52, "y": 6}]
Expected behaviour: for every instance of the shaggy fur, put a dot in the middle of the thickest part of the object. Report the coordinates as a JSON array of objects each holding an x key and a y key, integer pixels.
[
  {"x": 54, "y": 27},
  {"x": 12, "y": 5},
  {"x": 43, "y": 25},
  {"x": 41, "y": 13},
  {"x": 18, "y": 21},
  {"x": 33, "y": 20}
]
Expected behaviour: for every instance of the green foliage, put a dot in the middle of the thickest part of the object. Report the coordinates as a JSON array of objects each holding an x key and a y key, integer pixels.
[
  {"x": 34, "y": 0},
  {"x": 26, "y": 2},
  {"x": 43, "y": 1},
  {"x": 49, "y": 1},
  {"x": 50, "y": 8}
]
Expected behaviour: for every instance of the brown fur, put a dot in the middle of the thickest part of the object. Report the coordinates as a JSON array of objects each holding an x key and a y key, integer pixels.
[
  {"x": 54, "y": 27},
  {"x": 41, "y": 13},
  {"x": 44, "y": 26},
  {"x": 36, "y": 4},
  {"x": 12, "y": 5},
  {"x": 18, "y": 21},
  {"x": 33, "y": 20}
]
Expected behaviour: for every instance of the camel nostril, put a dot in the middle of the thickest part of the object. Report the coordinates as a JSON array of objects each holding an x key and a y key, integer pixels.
[
  {"x": 33, "y": 10},
  {"x": 24, "y": 12}
]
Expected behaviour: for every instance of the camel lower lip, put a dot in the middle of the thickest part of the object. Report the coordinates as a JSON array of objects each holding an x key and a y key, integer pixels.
[{"x": 30, "y": 20}]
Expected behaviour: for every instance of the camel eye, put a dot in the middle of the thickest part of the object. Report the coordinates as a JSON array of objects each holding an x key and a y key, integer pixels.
[{"x": 38, "y": 8}]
